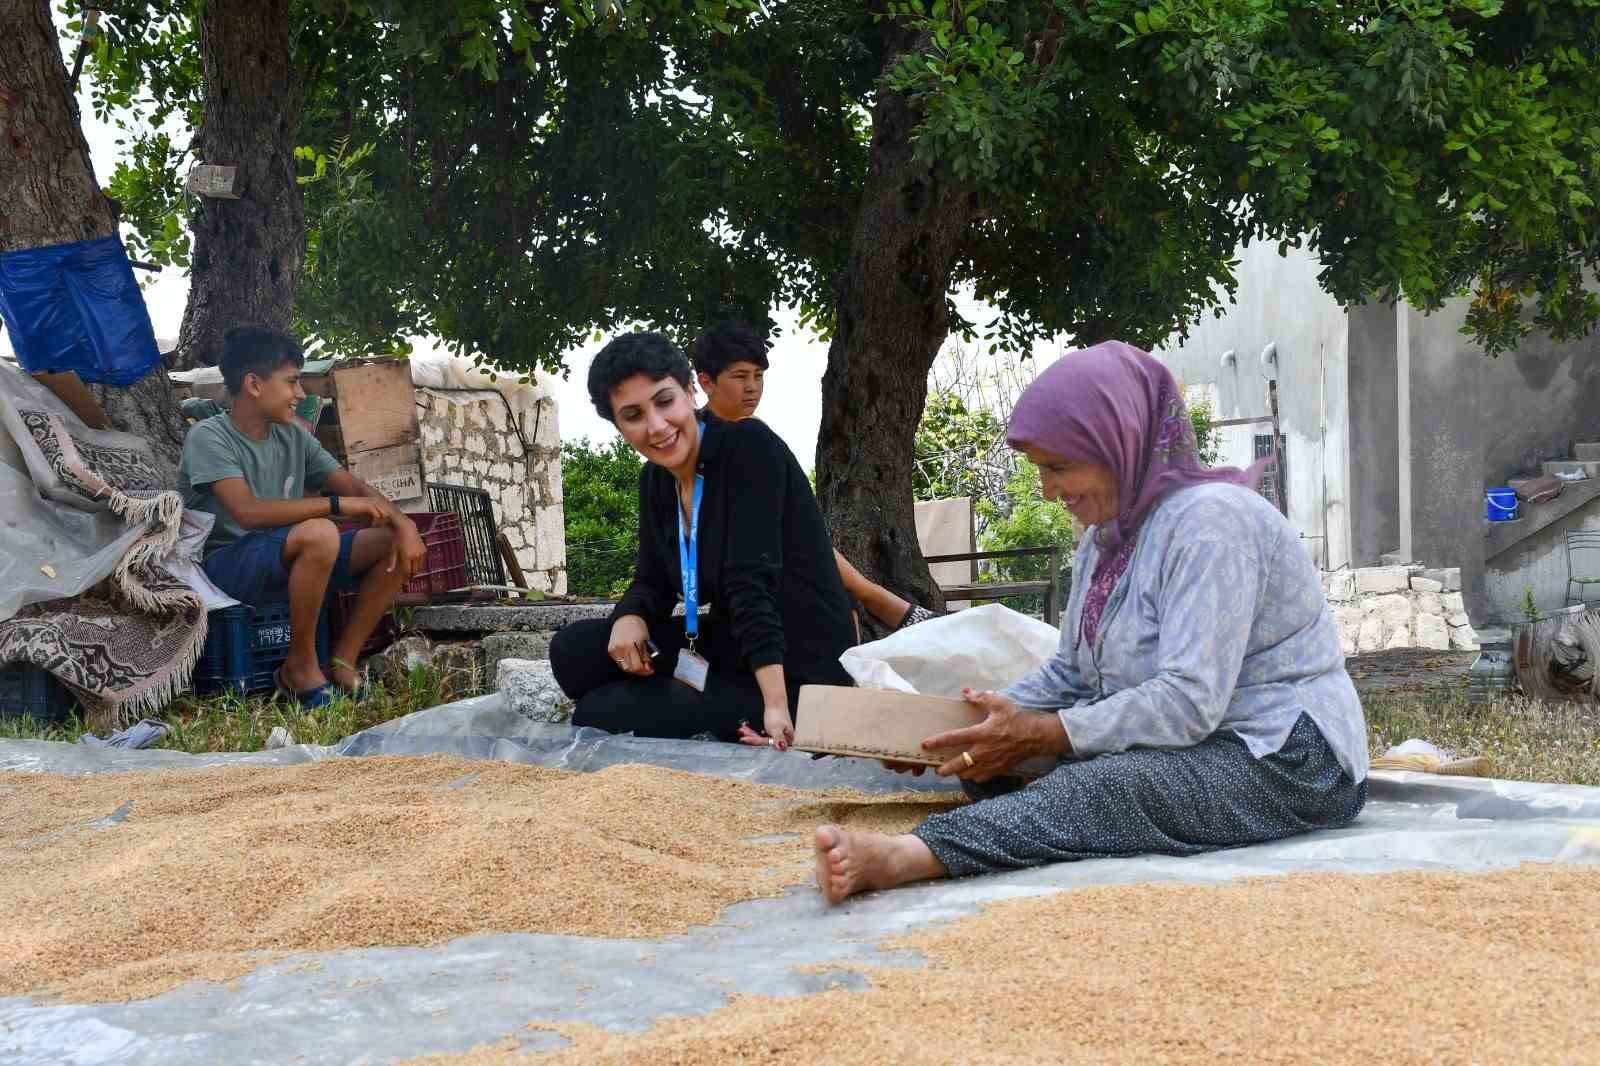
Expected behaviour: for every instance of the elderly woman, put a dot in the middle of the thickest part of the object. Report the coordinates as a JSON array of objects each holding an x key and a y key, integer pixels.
[
  {"x": 1198, "y": 699},
  {"x": 728, "y": 526}
]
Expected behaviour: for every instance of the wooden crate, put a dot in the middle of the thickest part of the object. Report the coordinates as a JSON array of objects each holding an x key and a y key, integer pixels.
[{"x": 371, "y": 426}]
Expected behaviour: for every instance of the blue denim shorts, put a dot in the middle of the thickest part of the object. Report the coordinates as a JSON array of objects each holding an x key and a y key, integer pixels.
[{"x": 251, "y": 569}]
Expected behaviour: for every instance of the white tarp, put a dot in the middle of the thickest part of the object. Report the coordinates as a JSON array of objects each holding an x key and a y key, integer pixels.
[{"x": 386, "y": 1005}]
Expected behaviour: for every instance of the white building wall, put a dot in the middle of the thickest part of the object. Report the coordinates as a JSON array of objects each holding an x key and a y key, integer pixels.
[{"x": 1279, "y": 302}]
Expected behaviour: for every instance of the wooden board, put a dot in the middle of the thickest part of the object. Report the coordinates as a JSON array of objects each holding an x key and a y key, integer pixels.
[
  {"x": 71, "y": 390},
  {"x": 377, "y": 404},
  {"x": 396, "y": 472},
  {"x": 874, "y": 724}
]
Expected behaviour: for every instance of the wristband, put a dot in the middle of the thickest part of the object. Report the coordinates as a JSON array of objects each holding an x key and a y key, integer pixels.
[{"x": 333, "y": 505}]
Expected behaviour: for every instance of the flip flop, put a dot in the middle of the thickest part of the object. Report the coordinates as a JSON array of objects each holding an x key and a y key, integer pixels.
[{"x": 310, "y": 699}]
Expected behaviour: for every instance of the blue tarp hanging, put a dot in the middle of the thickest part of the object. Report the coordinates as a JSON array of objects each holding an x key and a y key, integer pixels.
[{"x": 76, "y": 307}]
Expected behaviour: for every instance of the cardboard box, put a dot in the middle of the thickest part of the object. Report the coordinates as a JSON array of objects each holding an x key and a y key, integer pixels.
[{"x": 876, "y": 724}]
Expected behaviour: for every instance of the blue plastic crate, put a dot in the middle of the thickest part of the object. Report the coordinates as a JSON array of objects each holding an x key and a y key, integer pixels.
[
  {"x": 246, "y": 645},
  {"x": 30, "y": 691}
]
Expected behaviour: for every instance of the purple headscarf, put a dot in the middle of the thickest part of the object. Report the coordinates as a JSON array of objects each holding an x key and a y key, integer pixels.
[{"x": 1118, "y": 407}]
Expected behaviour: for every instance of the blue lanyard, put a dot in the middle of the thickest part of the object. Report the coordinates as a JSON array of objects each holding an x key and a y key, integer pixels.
[{"x": 689, "y": 560}]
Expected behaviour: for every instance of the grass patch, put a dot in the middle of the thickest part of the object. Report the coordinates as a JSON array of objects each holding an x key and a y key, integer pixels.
[
  {"x": 243, "y": 723},
  {"x": 1529, "y": 741}
]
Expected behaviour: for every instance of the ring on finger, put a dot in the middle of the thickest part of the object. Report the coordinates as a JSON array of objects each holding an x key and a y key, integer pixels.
[{"x": 966, "y": 757}]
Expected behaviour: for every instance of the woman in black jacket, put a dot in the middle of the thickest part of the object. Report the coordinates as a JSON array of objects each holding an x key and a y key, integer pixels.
[{"x": 727, "y": 503}]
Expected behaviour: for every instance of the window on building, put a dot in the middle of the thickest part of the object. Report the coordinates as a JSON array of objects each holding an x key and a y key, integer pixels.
[{"x": 1272, "y": 476}]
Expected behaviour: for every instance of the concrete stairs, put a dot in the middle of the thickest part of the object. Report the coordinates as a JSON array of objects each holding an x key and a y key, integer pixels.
[
  {"x": 1569, "y": 467},
  {"x": 1585, "y": 459}
]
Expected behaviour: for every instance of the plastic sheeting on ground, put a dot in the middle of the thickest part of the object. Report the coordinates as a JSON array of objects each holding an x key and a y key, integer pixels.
[
  {"x": 77, "y": 307},
  {"x": 390, "y": 1004}
]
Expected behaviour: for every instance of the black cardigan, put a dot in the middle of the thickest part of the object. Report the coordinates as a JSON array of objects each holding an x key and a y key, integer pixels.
[{"x": 767, "y": 569}]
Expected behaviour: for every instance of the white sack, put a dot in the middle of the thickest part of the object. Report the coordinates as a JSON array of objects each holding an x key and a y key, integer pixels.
[{"x": 985, "y": 647}]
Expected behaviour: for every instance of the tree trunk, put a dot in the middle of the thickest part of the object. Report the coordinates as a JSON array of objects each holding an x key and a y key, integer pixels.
[
  {"x": 51, "y": 196},
  {"x": 247, "y": 252},
  {"x": 892, "y": 319}
]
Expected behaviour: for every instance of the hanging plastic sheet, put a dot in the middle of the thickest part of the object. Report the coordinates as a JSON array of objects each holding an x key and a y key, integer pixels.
[
  {"x": 385, "y": 1005},
  {"x": 76, "y": 307}
]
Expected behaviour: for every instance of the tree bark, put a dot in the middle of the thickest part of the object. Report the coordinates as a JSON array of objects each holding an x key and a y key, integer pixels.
[
  {"x": 248, "y": 252},
  {"x": 51, "y": 195},
  {"x": 892, "y": 319}
]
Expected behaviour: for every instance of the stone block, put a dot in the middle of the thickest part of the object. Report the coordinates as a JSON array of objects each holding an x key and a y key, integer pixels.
[
  {"x": 460, "y": 667},
  {"x": 1348, "y": 617},
  {"x": 547, "y": 482},
  {"x": 1400, "y": 638},
  {"x": 1377, "y": 579},
  {"x": 397, "y": 660},
  {"x": 548, "y": 432},
  {"x": 1347, "y": 644},
  {"x": 1393, "y": 559},
  {"x": 550, "y": 536},
  {"x": 1432, "y": 632},
  {"x": 1450, "y": 578},
  {"x": 1453, "y": 603},
  {"x": 1393, "y": 610},
  {"x": 530, "y": 689},
  {"x": 1463, "y": 638},
  {"x": 501, "y": 472},
  {"x": 514, "y": 504},
  {"x": 1340, "y": 586},
  {"x": 467, "y": 618},
  {"x": 527, "y": 558},
  {"x": 1429, "y": 603},
  {"x": 500, "y": 646},
  {"x": 1372, "y": 635},
  {"x": 1426, "y": 584}
]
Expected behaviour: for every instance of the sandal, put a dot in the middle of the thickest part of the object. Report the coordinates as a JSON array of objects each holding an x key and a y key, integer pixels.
[{"x": 310, "y": 699}]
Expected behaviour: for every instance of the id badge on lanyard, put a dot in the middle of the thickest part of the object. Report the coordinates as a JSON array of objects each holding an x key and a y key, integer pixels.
[{"x": 692, "y": 668}]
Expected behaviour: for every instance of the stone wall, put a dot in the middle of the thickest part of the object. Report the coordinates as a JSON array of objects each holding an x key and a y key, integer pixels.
[
  {"x": 1383, "y": 607},
  {"x": 470, "y": 439}
]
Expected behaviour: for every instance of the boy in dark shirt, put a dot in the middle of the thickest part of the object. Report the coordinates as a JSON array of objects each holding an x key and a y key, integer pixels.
[
  {"x": 272, "y": 543},
  {"x": 730, "y": 363}
]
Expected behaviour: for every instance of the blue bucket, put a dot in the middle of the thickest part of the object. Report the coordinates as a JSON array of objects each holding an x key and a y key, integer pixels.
[{"x": 1500, "y": 505}]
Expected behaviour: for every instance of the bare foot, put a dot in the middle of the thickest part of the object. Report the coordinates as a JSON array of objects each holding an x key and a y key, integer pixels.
[
  {"x": 848, "y": 863},
  {"x": 302, "y": 678},
  {"x": 344, "y": 679}
]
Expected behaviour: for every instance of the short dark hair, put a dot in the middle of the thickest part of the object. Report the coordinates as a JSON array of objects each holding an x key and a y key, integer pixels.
[
  {"x": 256, "y": 350},
  {"x": 628, "y": 354},
  {"x": 725, "y": 343}
]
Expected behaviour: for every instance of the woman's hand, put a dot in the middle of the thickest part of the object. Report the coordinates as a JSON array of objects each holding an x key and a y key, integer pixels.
[
  {"x": 1006, "y": 737},
  {"x": 628, "y": 646},
  {"x": 777, "y": 731}
]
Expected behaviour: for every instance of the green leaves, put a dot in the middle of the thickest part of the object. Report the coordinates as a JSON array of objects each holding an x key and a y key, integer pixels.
[
  {"x": 533, "y": 173},
  {"x": 600, "y": 485}
]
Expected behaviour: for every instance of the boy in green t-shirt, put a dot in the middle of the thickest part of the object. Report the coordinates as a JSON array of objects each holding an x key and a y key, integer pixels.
[{"x": 272, "y": 543}]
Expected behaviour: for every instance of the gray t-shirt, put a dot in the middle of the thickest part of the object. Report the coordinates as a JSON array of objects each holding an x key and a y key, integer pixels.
[{"x": 278, "y": 468}]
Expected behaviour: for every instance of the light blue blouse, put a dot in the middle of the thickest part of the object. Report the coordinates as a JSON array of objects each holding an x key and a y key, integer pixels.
[{"x": 1219, "y": 622}]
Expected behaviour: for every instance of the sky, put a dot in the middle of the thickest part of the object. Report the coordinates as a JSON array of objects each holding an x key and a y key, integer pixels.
[{"x": 792, "y": 403}]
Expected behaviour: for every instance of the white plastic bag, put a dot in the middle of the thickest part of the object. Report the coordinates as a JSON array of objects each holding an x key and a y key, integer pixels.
[{"x": 985, "y": 647}]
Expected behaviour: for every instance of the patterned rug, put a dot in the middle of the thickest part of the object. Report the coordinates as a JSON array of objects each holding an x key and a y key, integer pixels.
[{"x": 127, "y": 645}]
